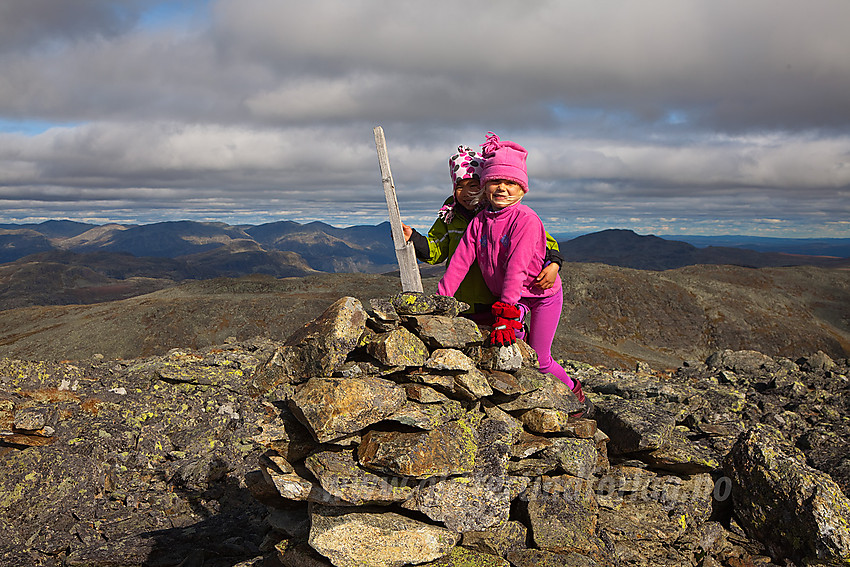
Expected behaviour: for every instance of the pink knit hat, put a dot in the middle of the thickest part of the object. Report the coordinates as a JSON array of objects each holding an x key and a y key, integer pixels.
[{"x": 504, "y": 160}]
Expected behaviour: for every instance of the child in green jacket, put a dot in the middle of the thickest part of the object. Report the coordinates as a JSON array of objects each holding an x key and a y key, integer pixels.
[{"x": 452, "y": 219}]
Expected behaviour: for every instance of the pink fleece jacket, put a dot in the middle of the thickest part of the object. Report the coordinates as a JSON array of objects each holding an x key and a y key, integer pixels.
[{"x": 509, "y": 245}]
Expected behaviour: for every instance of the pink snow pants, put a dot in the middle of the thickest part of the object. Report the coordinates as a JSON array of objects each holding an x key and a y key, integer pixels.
[{"x": 545, "y": 314}]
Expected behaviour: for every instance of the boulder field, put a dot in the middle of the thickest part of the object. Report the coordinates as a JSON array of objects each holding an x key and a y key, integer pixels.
[{"x": 389, "y": 435}]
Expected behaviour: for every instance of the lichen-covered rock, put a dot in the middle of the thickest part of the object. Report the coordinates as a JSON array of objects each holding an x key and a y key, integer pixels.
[
  {"x": 298, "y": 553},
  {"x": 428, "y": 415},
  {"x": 741, "y": 361},
  {"x": 443, "y": 451},
  {"x": 62, "y": 379},
  {"x": 684, "y": 456},
  {"x": 317, "y": 349},
  {"x": 424, "y": 394},
  {"x": 541, "y": 558},
  {"x": 651, "y": 508},
  {"x": 464, "y": 504},
  {"x": 545, "y": 420},
  {"x": 478, "y": 500},
  {"x": 464, "y": 557},
  {"x": 505, "y": 358},
  {"x": 135, "y": 463},
  {"x": 438, "y": 331},
  {"x": 335, "y": 332},
  {"x": 383, "y": 309},
  {"x": 340, "y": 476},
  {"x": 36, "y": 420},
  {"x": 448, "y": 306},
  {"x": 528, "y": 444},
  {"x": 472, "y": 385},
  {"x": 290, "y": 485},
  {"x": 622, "y": 481},
  {"x": 508, "y": 384},
  {"x": 336, "y": 407},
  {"x": 356, "y": 369},
  {"x": 444, "y": 383},
  {"x": 203, "y": 375},
  {"x": 575, "y": 457},
  {"x": 414, "y": 303},
  {"x": 562, "y": 514},
  {"x": 796, "y": 511},
  {"x": 376, "y": 539},
  {"x": 283, "y": 433},
  {"x": 449, "y": 359},
  {"x": 533, "y": 467},
  {"x": 293, "y": 521},
  {"x": 819, "y": 361},
  {"x": 634, "y": 425},
  {"x": 499, "y": 539},
  {"x": 552, "y": 394},
  {"x": 585, "y": 428},
  {"x": 32, "y": 485},
  {"x": 398, "y": 347}
]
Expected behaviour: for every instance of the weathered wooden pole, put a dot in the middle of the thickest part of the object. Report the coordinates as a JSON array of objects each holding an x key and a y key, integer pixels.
[{"x": 408, "y": 268}]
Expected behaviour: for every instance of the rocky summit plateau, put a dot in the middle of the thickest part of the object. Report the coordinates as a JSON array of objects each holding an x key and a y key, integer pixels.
[{"x": 386, "y": 434}]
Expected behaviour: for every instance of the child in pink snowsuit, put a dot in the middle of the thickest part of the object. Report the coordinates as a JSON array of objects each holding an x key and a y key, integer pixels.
[{"x": 509, "y": 242}]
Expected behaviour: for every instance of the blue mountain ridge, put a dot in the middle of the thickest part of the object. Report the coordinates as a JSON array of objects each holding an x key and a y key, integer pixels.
[{"x": 365, "y": 248}]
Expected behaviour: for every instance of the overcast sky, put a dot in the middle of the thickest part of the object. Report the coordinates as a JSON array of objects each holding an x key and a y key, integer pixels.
[{"x": 660, "y": 116}]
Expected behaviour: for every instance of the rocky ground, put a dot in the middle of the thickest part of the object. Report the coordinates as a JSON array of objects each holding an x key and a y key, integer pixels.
[{"x": 385, "y": 434}]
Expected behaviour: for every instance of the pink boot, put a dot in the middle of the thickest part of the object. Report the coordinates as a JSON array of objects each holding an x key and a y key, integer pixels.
[
  {"x": 577, "y": 390},
  {"x": 587, "y": 410}
]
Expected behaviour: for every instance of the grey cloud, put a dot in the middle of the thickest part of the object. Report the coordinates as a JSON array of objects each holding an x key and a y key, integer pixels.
[
  {"x": 760, "y": 64},
  {"x": 136, "y": 76},
  {"x": 192, "y": 166},
  {"x": 31, "y": 24},
  {"x": 666, "y": 109}
]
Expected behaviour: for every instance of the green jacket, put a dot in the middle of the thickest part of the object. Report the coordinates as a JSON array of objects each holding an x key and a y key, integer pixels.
[{"x": 440, "y": 244}]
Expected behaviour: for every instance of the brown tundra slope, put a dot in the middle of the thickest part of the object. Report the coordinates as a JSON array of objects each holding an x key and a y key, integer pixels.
[
  {"x": 617, "y": 316},
  {"x": 612, "y": 316}
]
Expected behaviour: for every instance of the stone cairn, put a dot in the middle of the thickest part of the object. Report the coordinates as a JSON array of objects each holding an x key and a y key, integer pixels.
[{"x": 400, "y": 439}]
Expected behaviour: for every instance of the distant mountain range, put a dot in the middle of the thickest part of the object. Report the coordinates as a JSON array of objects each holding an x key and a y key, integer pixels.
[
  {"x": 629, "y": 250},
  {"x": 369, "y": 249},
  {"x": 838, "y": 247},
  {"x": 66, "y": 262},
  {"x": 210, "y": 249}
]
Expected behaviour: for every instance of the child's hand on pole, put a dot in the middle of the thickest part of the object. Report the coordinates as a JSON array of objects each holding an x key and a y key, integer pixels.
[{"x": 407, "y": 232}]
